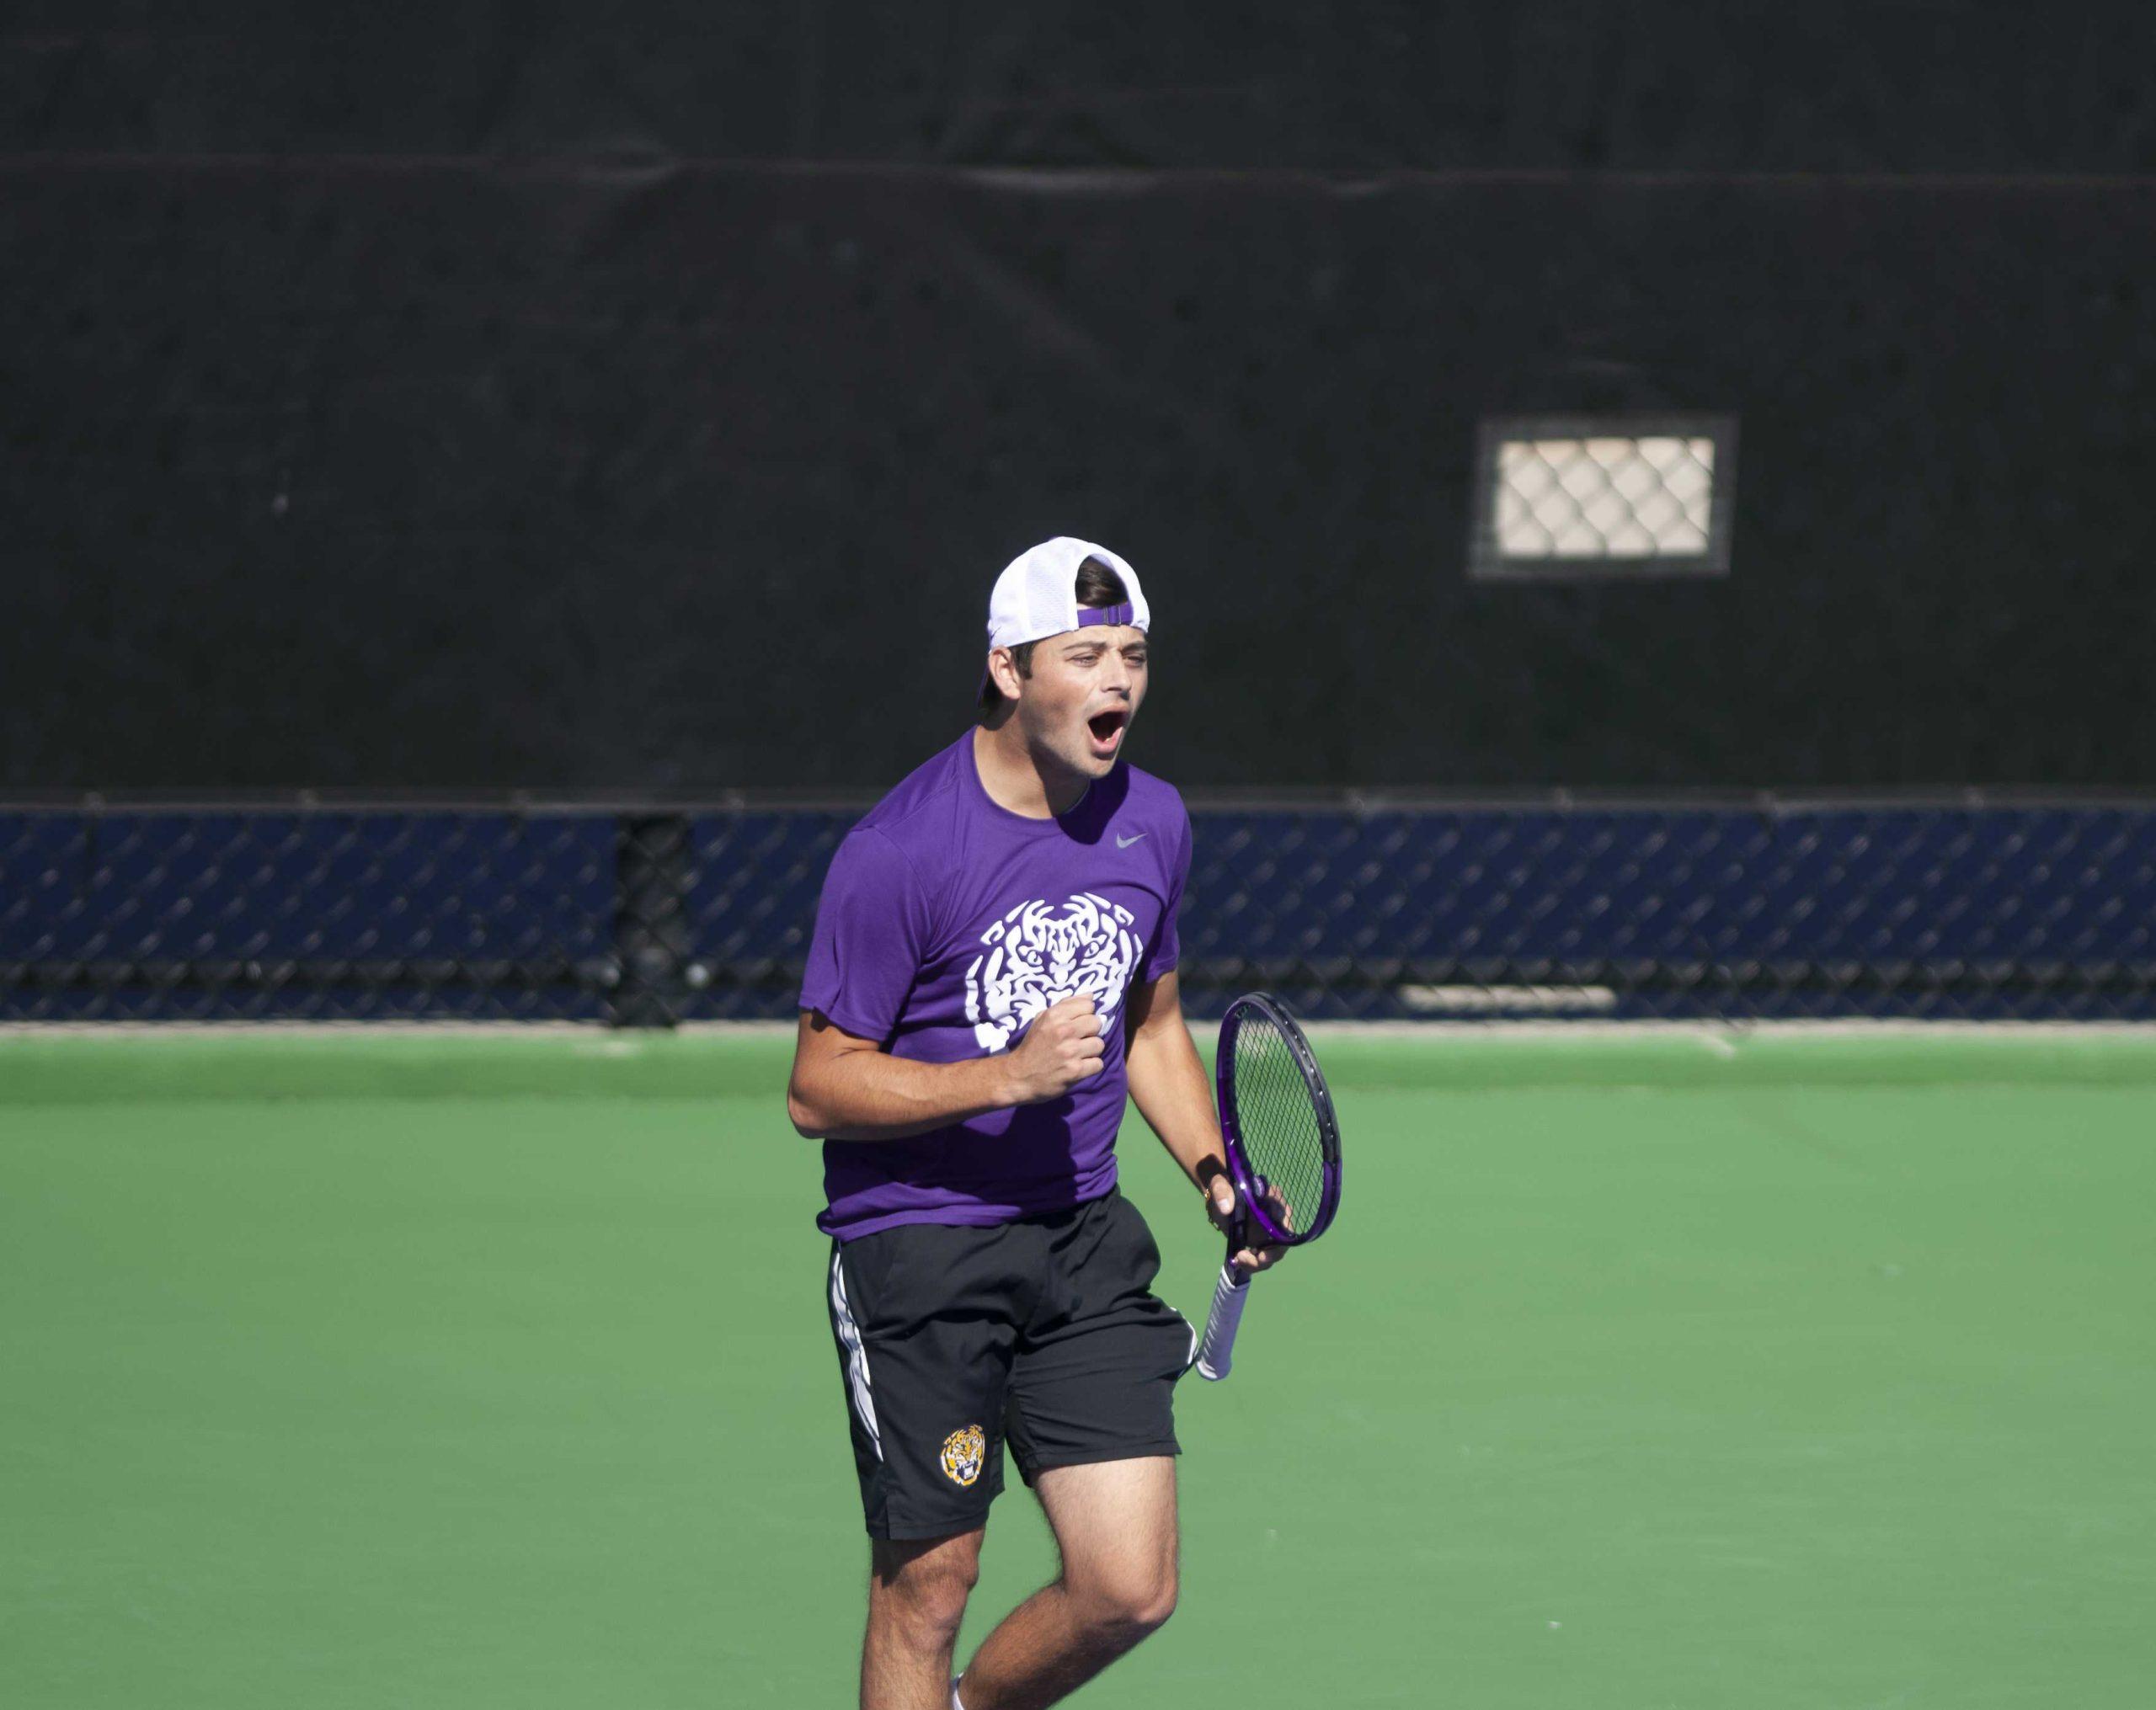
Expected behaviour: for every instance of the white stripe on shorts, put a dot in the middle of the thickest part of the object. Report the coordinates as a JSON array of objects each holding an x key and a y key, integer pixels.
[
  {"x": 1191, "y": 1358},
  {"x": 856, "y": 1357}
]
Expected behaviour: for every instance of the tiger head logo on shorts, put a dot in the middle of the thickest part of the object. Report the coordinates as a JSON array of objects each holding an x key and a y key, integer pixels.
[{"x": 962, "y": 1453}]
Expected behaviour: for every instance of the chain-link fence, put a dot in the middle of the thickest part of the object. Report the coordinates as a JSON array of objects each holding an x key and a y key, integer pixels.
[{"x": 653, "y": 913}]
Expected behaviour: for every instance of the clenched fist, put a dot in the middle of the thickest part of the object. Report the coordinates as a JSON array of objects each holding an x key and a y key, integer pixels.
[{"x": 1062, "y": 1047}]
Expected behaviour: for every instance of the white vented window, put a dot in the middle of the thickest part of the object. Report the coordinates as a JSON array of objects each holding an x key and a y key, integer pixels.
[{"x": 1578, "y": 497}]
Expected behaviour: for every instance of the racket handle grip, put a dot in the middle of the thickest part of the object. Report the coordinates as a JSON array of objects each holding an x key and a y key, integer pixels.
[{"x": 1216, "y": 1353}]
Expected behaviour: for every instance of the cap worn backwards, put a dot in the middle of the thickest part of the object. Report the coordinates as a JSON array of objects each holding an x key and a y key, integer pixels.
[{"x": 1037, "y": 594}]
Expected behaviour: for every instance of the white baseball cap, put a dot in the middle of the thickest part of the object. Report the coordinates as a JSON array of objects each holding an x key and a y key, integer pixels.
[{"x": 1037, "y": 594}]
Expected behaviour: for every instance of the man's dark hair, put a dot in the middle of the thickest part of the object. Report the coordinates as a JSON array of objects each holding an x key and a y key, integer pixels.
[{"x": 1098, "y": 585}]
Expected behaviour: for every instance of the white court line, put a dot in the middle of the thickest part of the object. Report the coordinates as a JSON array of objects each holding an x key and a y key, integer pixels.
[
  {"x": 1722, "y": 1033},
  {"x": 1714, "y": 1034}
]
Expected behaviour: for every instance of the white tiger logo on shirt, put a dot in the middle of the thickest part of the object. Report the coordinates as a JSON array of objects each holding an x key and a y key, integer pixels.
[{"x": 1040, "y": 953}]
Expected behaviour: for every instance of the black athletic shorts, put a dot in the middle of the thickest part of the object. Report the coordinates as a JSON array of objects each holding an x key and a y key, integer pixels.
[{"x": 1043, "y": 1332}]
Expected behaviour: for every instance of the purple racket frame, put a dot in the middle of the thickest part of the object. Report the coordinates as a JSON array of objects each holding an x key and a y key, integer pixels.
[{"x": 1239, "y": 1166}]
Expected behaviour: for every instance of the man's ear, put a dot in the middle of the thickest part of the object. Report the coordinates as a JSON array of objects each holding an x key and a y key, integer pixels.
[{"x": 1003, "y": 673}]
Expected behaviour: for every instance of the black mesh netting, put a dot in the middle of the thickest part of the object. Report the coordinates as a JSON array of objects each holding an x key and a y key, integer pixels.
[{"x": 655, "y": 914}]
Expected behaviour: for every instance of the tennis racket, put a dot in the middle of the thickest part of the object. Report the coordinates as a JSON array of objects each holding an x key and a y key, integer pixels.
[{"x": 1282, "y": 1143}]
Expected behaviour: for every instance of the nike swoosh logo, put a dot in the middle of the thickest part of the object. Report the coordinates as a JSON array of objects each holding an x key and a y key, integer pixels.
[{"x": 1122, "y": 842}]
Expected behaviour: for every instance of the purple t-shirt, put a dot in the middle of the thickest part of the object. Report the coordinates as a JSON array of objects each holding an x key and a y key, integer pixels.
[{"x": 946, "y": 924}]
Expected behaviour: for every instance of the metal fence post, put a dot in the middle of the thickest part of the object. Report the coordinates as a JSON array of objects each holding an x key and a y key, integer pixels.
[{"x": 651, "y": 919}]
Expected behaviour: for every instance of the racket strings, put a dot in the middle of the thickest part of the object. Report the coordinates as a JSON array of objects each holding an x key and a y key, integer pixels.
[{"x": 1277, "y": 1122}]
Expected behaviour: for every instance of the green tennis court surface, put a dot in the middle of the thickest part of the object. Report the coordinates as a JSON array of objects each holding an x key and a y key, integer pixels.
[{"x": 372, "y": 1369}]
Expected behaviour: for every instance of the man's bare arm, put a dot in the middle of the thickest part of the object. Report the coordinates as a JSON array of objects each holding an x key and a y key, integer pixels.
[
  {"x": 1168, "y": 1081},
  {"x": 1173, "y": 1093},
  {"x": 847, "y": 1088}
]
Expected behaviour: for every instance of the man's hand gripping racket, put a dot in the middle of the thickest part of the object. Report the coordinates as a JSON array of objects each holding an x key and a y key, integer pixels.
[{"x": 1282, "y": 1146}]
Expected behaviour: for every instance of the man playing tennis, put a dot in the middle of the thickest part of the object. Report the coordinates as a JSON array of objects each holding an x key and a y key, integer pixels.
[{"x": 993, "y": 965}]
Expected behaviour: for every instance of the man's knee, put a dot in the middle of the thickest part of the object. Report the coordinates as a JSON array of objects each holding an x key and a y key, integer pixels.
[
  {"x": 923, "y": 1590},
  {"x": 1130, "y": 1601}
]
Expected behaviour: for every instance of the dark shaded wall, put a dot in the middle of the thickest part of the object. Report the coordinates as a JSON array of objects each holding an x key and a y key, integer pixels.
[{"x": 497, "y": 398}]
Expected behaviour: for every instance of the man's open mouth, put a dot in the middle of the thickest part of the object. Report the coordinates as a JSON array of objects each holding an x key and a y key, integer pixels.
[{"x": 1107, "y": 729}]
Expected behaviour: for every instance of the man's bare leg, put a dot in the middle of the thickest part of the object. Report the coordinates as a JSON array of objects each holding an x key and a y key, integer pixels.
[
  {"x": 917, "y": 1594},
  {"x": 1115, "y": 1524}
]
